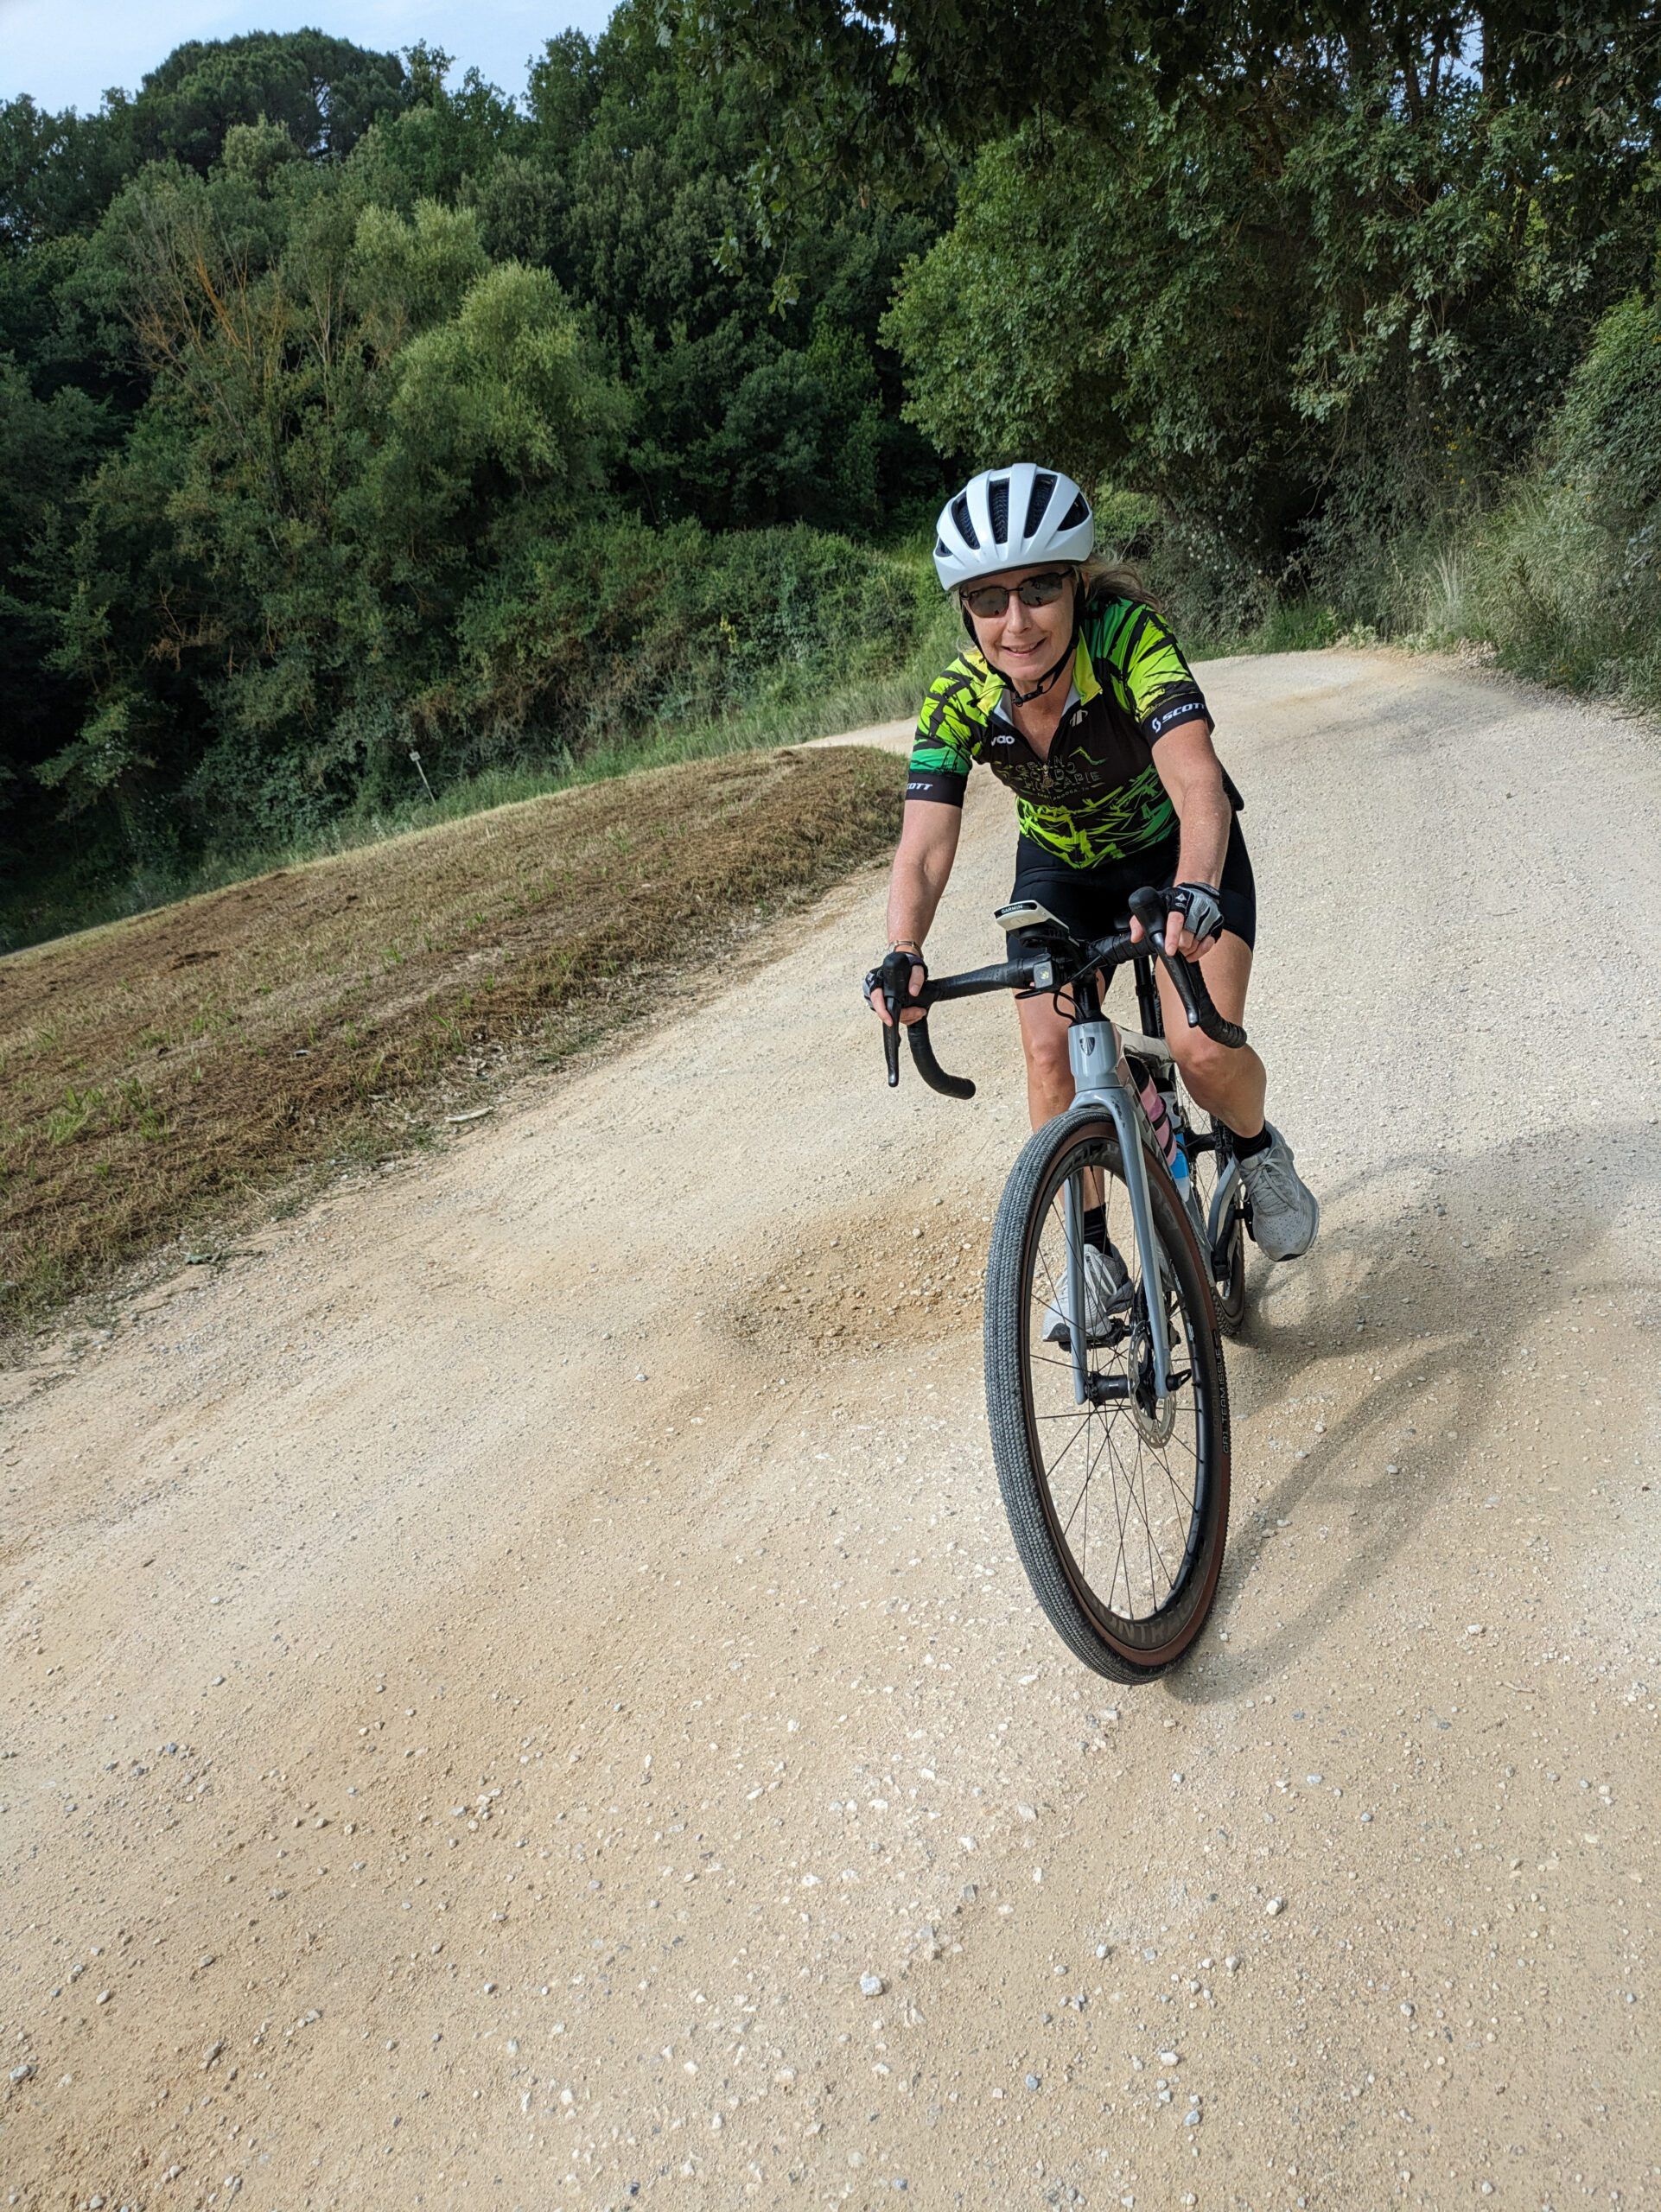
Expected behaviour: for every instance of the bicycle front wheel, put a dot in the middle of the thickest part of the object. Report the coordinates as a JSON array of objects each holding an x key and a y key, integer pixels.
[{"x": 1118, "y": 1502}]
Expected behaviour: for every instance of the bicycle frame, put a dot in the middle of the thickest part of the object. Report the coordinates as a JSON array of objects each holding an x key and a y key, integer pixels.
[
  {"x": 1207, "y": 1227},
  {"x": 1102, "y": 1085}
]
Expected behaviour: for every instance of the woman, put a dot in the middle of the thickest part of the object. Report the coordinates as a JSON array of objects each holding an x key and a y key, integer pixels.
[{"x": 1076, "y": 695}]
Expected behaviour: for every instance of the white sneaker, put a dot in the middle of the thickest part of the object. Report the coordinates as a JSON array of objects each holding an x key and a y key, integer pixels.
[{"x": 1106, "y": 1292}]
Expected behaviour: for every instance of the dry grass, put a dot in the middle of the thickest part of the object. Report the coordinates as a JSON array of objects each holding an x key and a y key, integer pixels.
[{"x": 157, "y": 1073}]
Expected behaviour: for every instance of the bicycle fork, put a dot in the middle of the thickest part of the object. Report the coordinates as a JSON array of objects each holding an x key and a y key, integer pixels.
[{"x": 1102, "y": 1085}]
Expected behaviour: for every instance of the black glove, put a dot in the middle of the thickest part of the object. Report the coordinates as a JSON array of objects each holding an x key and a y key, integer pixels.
[
  {"x": 893, "y": 978},
  {"x": 1200, "y": 908}
]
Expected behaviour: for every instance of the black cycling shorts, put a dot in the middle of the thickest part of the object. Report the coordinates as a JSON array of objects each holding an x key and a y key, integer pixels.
[{"x": 1094, "y": 901}]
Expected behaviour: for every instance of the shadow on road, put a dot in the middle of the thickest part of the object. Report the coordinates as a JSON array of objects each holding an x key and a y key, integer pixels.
[{"x": 1482, "y": 1261}]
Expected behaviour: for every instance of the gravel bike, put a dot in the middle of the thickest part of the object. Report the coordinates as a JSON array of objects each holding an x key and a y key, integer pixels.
[{"x": 1105, "y": 1389}]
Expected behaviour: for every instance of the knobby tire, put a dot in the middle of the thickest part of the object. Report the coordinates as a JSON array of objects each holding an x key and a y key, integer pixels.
[{"x": 1115, "y": 1644}]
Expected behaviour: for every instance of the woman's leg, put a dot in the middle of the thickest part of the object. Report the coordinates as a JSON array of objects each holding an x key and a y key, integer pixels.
[
  {"x": 1049, "y": 1073},
  {"x": 1229, "y": 1084}
]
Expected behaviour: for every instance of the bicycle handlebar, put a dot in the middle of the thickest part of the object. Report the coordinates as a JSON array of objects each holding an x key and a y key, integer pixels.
[{"x": 1024, "y": 975}]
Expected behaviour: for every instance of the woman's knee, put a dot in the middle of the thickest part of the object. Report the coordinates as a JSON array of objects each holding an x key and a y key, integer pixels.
[
  {"x": 1203, "y": 1064},
  {"x": 1046, "y": 1049}
]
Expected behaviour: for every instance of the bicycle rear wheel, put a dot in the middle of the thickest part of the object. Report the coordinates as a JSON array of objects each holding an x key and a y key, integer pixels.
[
  {"x": 1229, "y": 1255},
  {"x": 1119, "y": 1505}
]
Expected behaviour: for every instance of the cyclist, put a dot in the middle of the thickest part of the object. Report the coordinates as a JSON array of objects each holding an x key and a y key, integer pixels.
[{"x": 1075, "y": 693}]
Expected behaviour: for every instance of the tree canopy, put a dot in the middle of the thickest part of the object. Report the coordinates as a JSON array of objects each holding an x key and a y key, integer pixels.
[
  {"x": 311, "y": 359},
  {"x": 348, "y": 407}
]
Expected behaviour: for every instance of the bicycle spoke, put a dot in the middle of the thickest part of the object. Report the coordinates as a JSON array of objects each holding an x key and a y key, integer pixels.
[{"x": 1084, "y": 1490}]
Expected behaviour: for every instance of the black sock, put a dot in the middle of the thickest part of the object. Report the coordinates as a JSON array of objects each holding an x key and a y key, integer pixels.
[
  {"x": 1248, "y": 1148},
  {"x": 1096, "y": 1227}
]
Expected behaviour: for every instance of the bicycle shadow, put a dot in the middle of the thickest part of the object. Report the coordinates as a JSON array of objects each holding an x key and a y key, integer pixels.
[{"x": 1485, "y": 1256}]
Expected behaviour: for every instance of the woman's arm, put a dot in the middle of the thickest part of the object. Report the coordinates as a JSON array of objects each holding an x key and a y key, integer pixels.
[
  {"x": 1192, "y": 775},
  {"x": 928, "y": 845}
]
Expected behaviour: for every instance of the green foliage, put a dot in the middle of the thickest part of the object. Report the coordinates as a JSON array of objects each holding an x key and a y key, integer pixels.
[
  {"x": 1564, "y": 578},
  {"x": 1306, "y": 335},
  {"x": 347, "y": 409},
  {"x": 333, "y": 375},
  {"x": 323, "y": 92},
  {"x": 621, "y": 629},
  {"x": 355, "y": 419},
  {"x": 1314, "y": 286}
]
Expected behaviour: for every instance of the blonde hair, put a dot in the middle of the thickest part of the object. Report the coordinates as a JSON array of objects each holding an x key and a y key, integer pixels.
[{"x": 1106, "y": 579}]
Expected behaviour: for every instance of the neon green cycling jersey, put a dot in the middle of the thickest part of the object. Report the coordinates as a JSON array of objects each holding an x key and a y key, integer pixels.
[{"x": 1099, "y": 795}]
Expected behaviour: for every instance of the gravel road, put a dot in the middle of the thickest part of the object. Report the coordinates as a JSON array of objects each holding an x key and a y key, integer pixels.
[{"x": 517, "y": 1692}]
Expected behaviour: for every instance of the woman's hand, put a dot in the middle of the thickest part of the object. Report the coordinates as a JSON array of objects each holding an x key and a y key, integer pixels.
[
  {"x": 1198, "y": 905},
  {"x": 916, "y": 976}
]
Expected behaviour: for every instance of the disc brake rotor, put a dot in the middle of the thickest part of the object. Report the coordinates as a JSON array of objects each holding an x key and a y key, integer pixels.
[{"x": 1155, "y": 1416}]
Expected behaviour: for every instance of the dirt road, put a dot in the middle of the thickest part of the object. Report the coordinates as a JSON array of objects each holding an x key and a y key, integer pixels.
[{"x": 493, "y": 1677}]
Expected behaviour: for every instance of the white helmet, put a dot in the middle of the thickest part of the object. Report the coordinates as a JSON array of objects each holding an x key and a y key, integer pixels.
[{"x": 1009, "y": 518}]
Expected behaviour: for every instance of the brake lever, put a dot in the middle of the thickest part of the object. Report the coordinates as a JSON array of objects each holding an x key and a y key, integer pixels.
[
  {"x": 1189, "y": 984},
  {"x": 891, "y": 1040},
  {"x": 896, "y": 987}
]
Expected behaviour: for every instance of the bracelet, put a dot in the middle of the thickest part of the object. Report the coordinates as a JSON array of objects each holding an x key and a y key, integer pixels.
[{"x": 905, "y": 944}]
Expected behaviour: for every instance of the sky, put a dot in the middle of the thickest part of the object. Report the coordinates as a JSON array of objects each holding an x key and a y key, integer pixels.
[{"x": 68, "y": 53}]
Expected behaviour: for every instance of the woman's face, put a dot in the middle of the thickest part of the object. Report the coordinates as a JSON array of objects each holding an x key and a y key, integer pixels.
[{"x": 1024, "y": 641}]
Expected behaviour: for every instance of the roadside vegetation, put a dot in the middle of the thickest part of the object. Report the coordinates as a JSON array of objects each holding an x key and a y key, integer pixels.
[
  {"x": 160, "y": 1076},
  {"x": 374, "y": 445}
]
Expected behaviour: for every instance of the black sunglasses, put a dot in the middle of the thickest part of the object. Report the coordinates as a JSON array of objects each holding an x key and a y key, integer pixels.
[{"x": 990, "y": 600}]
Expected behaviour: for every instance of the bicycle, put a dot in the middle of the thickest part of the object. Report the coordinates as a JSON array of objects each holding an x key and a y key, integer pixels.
[{"x": 1172, "y": 1278}]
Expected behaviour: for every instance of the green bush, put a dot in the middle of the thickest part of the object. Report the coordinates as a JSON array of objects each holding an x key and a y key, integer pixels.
[
  {"x": 1565, "y": 577},
  {"x": 617, "y": 630}
]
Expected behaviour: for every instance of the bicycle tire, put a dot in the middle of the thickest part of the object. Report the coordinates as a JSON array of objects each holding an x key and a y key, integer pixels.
[
  {"x": 1114, "y": 1643},
  {"x": 1228, "y": 1278}
]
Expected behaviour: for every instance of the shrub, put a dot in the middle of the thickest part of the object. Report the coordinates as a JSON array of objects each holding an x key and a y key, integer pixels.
[{"x": 1566, "y": 577}]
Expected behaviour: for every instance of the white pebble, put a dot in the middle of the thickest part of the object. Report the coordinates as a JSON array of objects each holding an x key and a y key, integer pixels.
[
  {"x": 871, "y": 1985},
  {"x": 1275, "y": 1907}
]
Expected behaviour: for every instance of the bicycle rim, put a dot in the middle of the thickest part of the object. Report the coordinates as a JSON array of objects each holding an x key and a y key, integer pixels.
[{"x": 1119, "y": 1506}]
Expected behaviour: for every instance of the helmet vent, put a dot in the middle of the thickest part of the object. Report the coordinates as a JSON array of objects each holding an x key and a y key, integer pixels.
[
  {"x": 966, "y": 529},
  {"x": 1078, "y": 512},
  {"x": 1043, "y": 485},
  {"x": 997, "y": 501}
]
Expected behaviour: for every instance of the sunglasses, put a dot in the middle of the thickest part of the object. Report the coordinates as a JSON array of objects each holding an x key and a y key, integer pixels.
[{"x": 990, "y": 600}]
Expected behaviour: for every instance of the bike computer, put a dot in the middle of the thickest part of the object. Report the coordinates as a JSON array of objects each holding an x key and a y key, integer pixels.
[{"x": 1026, "y": 914}]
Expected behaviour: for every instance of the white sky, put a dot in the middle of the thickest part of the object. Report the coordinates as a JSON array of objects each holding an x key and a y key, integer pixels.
[{"x": 69, "y": 52}]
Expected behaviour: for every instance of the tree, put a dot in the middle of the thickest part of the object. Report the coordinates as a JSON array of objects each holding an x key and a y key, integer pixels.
[{"x": 354, "y": 420}]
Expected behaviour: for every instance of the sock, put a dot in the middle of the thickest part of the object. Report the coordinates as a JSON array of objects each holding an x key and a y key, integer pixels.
[
  {"x": 1248, "y": 1148},
  {"x": 1096, "y": 1227}
]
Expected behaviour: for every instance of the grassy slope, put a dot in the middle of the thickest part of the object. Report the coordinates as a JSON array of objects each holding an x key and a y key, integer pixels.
[{"x": 157, "y": 1073}]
